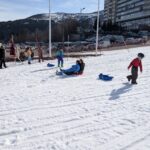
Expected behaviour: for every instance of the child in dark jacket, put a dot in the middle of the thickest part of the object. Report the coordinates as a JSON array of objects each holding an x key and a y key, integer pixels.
[
  {"x": 134, "y": 71},
  {"x": 82, "y": 65},
  {"x": 2, "y": 56}
]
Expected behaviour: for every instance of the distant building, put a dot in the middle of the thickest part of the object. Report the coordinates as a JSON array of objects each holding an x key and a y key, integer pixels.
[
  {"x": 110, "y": 10},
  {"x": 130, "y": 13}
]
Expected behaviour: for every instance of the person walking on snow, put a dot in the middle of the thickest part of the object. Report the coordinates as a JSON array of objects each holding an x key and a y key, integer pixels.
[
  {"x": 28, "y": 54},
  {"x": 135, "y": 63},
  {"x": 2, "y": 56},
  {"x": 40, "y": 54},
  {"x": 59, "y": 56}
]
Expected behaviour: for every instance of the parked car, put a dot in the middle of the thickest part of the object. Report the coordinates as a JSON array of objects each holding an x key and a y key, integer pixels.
[
  {"x": 104, "y": 44},
  {"x": 130, "y": 41},
  {"x": 144, "y": 35},
  {"x": 133, "y": 40},
  {"x": 91, "y": 46}
]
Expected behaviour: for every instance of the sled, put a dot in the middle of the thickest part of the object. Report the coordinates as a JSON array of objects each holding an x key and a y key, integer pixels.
[
  {"x": 105, "y": 77},
  {"x": 50, "y": 65}
]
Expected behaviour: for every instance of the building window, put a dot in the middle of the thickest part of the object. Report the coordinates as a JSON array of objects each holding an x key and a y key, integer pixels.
[
  {"x": 141, "y": 8},
  {"x": 110, "y": 10}
]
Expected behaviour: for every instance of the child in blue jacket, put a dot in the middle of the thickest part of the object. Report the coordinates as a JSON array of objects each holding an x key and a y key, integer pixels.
[
  {"x": 74, "y": 69},
  {"x": 60, "y": 56}
]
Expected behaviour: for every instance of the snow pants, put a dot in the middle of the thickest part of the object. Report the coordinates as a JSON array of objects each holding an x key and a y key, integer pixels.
[
  {"x": 134, "y": 75},
  {"x": 29, "y": 59},
  {"x": 60, "y": 62},
  {"x": 2, "y": 62}
]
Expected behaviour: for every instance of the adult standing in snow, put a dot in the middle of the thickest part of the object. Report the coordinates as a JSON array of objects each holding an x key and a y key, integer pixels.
[
  {"x": 2, "y": 56},
  {"x": 60, "y": 56},
  {"x": 40, "y": 53},
  {"x": 12, "y": 46},
  {"x": 135, "y": 63}
]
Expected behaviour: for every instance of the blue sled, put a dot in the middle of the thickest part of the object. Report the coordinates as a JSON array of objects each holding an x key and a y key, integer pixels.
[
  {"x": 105, "y": 77},
  {"x": 50, "y": 65}
]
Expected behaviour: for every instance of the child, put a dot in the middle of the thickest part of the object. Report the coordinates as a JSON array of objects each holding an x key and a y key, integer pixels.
[
  {"x": 60, "y": 56},
  {"x": 134, "y": 71},
  {"x": 2, "y": 56},
  {"x": 82, "y": 65},
  {"x": 28, "y": 53},
  {"x": 73, "y": 70}
]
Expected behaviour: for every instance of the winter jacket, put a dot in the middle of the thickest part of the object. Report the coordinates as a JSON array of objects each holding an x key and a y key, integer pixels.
[
  {"x": 12, "y": 50},
  {"x": 2, "y": 53},
  {"x": 29, "y": 53},
  {"x": 59, "y": 54},
  {"x": 136, "y": 63},
  {"x": 82, "y": 65},
  {"x": 74, "y": 69}
]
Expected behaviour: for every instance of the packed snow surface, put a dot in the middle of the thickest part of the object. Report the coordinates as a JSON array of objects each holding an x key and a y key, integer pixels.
[{"x": 42, "y": 111}]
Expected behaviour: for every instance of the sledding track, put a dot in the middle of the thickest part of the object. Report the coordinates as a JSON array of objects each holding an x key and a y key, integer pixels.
[{"x": 41, "y": 111}]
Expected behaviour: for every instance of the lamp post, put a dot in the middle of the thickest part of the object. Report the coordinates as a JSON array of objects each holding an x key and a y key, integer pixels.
[
  {"x": 81, "y": 10},
  {"x": 50, "y": 40},
  {"x": 63, "y": 29},
  {"x": 80, "y": 21},
  {"x": 97, "y": 29}
]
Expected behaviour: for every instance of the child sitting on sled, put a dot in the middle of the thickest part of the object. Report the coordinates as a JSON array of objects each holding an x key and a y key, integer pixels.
[{"x": 73, "y": 70}]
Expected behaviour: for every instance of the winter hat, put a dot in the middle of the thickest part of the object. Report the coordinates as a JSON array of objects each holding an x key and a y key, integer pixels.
[{"x": 141, "y": 55}]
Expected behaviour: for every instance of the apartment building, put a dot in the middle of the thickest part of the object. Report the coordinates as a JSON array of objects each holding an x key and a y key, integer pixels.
[
  {"x": 110, "y": 10},
  {"x": 129, "y": 13}
]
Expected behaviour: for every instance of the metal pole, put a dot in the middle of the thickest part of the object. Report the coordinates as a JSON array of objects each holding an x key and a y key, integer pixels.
[
  {"x": 80, "y": 21},
  {"x": 97, "y": 29},
  {"x": 63, "y": 38},
  {"x": 80, "y": 25},
  {"x": 68, "y": 46},
  {"x": 50, "y": 40},
  {"x": 81, "y": 10}
]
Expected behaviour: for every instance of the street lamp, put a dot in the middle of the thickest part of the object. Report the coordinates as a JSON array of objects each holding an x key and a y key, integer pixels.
[
  {"x": 80, "y": 22},
  {"x": 81, "y": 10},
  {"x": 50, "y": 40},
  {"x": 97, "y": 29}
]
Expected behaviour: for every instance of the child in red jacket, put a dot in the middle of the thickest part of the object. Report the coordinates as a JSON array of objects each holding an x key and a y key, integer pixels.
[{"x": 134, "y": 71}]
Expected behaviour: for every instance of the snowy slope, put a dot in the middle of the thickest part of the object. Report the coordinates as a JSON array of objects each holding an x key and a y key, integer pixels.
[
  {"x": 42, "y": 111},
  {"x": 60, "y": 16}
]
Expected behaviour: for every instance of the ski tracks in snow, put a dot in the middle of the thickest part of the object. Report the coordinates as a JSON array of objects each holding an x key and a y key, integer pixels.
[{"x": 42, "y": 111}]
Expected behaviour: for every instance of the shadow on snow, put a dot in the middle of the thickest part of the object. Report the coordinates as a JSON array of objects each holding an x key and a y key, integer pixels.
[
  {"x": 42, "y": 70},
  {"x": 116, "y": 93}
]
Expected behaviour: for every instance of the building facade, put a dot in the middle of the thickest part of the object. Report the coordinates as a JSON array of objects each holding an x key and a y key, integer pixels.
[
  {"x": 110, "y": 10},
  {"x": 132, "y": 14}
]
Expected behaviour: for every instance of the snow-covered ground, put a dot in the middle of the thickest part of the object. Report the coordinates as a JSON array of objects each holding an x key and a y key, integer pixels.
[{"x": 42, "y": 111}]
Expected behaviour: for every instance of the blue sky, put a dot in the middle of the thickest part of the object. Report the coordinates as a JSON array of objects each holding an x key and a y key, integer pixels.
[{"x": 19, "y": 9}]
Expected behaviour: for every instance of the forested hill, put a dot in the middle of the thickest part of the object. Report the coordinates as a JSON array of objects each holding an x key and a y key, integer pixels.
[{"x": 62, "y": 24}]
